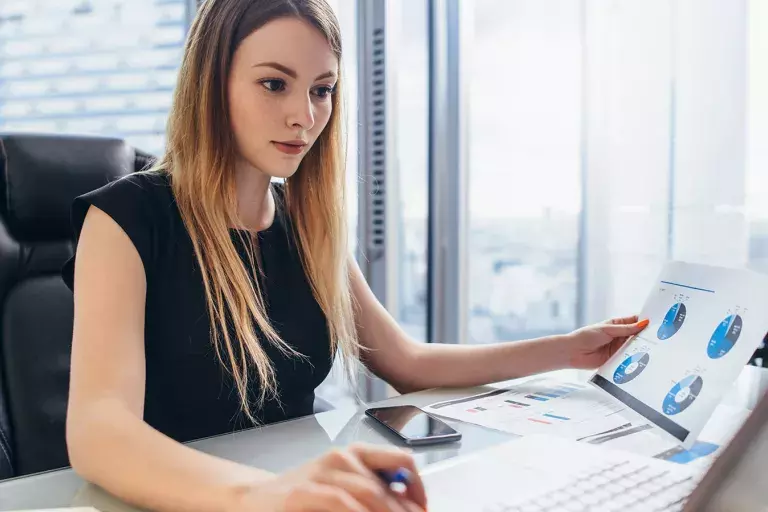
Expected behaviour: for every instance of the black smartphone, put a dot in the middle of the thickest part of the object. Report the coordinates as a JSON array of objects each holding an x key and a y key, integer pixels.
[{"x": 412, "y": 425}]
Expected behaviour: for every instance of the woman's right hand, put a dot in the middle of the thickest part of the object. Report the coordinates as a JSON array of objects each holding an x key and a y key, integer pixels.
[{"x": 340, "y": 481}]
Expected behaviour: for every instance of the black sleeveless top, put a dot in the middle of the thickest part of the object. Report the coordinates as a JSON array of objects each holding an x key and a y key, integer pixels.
[{"x": 189, "y": 394}]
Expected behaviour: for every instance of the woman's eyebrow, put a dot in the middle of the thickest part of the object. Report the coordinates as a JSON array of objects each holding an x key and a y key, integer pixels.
[{"x": 291, "y": 73}]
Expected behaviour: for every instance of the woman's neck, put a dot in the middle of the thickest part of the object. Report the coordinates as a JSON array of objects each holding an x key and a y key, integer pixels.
[{"x": 255, "y": 204}]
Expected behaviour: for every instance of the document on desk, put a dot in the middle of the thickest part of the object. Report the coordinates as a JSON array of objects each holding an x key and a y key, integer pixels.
[
  {"x": 541, "y": 405},
  {"x": 705, "y": 324},
  {"x": 639, "y": 438},
  {"x": 544, "y": 405}
]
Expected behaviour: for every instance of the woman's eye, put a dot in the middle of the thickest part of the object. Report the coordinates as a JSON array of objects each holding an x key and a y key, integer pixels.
[
  {"x": 273, "y": 85},
  {"x": 324, "y": 91}
]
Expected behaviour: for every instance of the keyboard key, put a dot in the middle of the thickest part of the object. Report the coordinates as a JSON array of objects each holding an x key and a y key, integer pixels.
[
  {"x": 623, "y": 501},
  {"x": 587, "y": 486},
  {"x": 589, "y": 499},
  {"x": 603, "y": 495},
  {"x": 575, "y": 492},
  {"x": 614, "y": 487},
  {"x": 545, "y": 501},
  {"x": 668, "y": 500},
  {"x": 612, "y": 506},
  {"x": 620, "y": 486},
  {"x": 600, "y": 479},
  {"x": 654, "y": 486},
  {"x": 654, "y": 471},
  {"x": 629, "y": 469},
  {"x": 637, "y": 494},
  {"x": 679, "y": 480},
  {"x": 560, "y": 496},
  {"x": 573, "y": 506},
  {"x": 636, "y": 505},
  {"x": 633, "y": 479}
]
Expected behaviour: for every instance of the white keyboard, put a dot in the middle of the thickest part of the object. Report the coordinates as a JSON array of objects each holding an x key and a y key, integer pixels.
[
  {"x": 614, "y": 486},
  {"x": 540, "y": 473}
]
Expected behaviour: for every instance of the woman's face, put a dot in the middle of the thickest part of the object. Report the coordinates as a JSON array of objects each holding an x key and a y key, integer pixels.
[{"x": 280, "y": 87}]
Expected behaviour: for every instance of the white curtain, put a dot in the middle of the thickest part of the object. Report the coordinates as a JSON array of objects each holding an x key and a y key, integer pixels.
[{"x": 675, "y": 159}]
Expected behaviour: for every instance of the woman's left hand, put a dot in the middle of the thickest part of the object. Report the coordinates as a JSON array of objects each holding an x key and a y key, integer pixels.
[{"x": 591, "y": 346}]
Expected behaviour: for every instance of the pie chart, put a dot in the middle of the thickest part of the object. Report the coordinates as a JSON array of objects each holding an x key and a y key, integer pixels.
[
  {"x": 682, "y": 395},
  {"x": 725, "y": 336},
  {"x": 672, "y": 322},
  {"x": 631, "y": 367}
]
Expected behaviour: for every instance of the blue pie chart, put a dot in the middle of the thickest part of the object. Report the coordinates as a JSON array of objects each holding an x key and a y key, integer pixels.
[
  {"x": 631, "y": 367},
  {"x": 672, "y": 322},
  {"x": 682, "y": 395},
  {"x": 725, "y": 336}
]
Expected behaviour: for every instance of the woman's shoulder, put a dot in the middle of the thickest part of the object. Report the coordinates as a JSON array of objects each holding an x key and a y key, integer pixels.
[
  {"x": 141, "y": 204},
  {"x": 146, "y": 184},
  {"x": 143, "y": 195}
]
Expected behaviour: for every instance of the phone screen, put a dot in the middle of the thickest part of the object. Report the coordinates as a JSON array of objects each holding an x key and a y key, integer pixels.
[{"x": 411, "y": 422}]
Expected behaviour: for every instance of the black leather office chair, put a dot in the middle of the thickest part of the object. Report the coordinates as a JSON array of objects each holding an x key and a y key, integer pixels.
[{"x": 41, "y": 175}]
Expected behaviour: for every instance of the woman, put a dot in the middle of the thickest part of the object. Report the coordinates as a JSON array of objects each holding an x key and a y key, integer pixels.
[{"x": 208, "y": 299}]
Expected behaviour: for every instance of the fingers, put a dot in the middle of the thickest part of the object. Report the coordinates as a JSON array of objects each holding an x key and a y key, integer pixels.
[
  {"x": 621, "y": 330},
  {"x": 373, "y": 495},
  {"x": 364, "y": 462},
  {"x": 615, "y": 346},
  {"x": 390, "y": 459},
  {"x": 317, "y": 497},
  {"x": 412, "y": 507},
  {"x": 623, "y": 321}
]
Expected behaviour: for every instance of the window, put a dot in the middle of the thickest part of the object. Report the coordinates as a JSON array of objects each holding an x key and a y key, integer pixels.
[
  {"x": 675, "y": 159},
  {"x": 335, "y": 388},
  {"x": 347, "y": 16},
  {"x": 82, "y": 66},
  {"x": 411, "y": 98},
  {"x": 605, "y": 139},
  {"x": 524, "y": 168},
  {"x": 757, "y": 134}
]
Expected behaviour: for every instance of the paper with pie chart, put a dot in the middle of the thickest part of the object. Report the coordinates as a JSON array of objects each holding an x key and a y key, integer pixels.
[{"x": 705, "y": 324}]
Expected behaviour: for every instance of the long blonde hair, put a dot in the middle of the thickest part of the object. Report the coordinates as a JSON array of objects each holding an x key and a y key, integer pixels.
[{"x": 200, "y": 157}]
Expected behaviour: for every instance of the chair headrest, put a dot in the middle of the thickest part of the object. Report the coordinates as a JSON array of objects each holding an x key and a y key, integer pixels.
[{"x": 40, "y": 176}]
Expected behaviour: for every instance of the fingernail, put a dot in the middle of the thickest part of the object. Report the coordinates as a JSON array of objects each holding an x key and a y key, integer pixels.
[{"x": 643, "y": 323}]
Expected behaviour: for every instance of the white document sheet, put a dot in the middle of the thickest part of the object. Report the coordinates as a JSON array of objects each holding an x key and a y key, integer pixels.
[
  {"x": 538, "y": 406},
  {"x": 546, "y": 405},
  {"x": 705, "y": 324},
  {"x": 640, "y": 439}
]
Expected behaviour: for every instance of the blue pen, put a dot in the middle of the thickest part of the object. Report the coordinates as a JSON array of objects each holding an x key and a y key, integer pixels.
[{"x": 400, "y": 477}]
